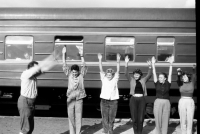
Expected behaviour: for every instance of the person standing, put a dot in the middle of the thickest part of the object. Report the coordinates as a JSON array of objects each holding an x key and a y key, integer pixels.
[
  {"x": 162, "y": 103},
  {"x": 138, "y": 90},
  {"x": 75, "y": 93},
  {"x": 109, "y": 95},
  {"x": 29, "y": 92},
  {"x": 186, "y": 106}
]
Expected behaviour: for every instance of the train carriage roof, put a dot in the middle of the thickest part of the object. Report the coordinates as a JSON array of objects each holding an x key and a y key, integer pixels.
[{"x": 179, "y": 14}]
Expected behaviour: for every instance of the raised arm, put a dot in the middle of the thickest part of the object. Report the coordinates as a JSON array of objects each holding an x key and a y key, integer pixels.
[
  {"x": 37, "y": 70},
  {"x": 66, "y": 69},
  {"x": 84, "y": 67},
  {"x": 170, "y": 60},
  {"x": 179, "y": 74},
  {"x": 49, "y": 62},
  {"x": 193, "y": 73},
  {"x": 126, "y": 68},
  {"x": 153, "y": 61},
  {"x": 118, "y": 63},
  {"x": 148, "y": 76},
  {"x": 63, "y": 55},
  {"x": 100, "y": 62}
]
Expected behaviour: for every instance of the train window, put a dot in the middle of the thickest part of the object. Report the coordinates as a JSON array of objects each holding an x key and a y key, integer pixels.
[
  {"x": 18, "y": 48},
  {"x": 122, "y": 45},
  {"x": 74, "y": 45},
  {"x": 165, "y": 48}
]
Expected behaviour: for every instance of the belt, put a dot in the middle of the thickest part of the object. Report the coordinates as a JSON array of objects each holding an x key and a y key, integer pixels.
[
  {"x": 186, "y": 97},
  {"x": 138, "y": 95},
  {"x": 27, "y": 97}
]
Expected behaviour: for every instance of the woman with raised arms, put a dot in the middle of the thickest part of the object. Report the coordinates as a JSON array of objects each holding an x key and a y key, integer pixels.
[
  {"x": 109, "y": 95},
  {"x": 162, "y": 104}
]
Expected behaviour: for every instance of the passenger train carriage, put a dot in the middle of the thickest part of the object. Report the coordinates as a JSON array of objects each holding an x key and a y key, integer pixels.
[{"x": 28, "y": 34}]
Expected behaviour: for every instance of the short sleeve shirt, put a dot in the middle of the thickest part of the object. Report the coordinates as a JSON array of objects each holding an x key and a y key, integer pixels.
[
  {"x": 162, "y": 89},
  {"x": 109, "y": 88},
  {"x": 29, "y": 82}
]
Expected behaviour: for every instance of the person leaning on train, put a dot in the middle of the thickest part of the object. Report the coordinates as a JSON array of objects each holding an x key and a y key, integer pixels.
[
  {"x": 162, "y": 104},
  {"x": 29, "y": 92},
  {"x": 138, "y": 90},
  {"x": 109, "y": 95},
  {"x": 75, "y": 93}
]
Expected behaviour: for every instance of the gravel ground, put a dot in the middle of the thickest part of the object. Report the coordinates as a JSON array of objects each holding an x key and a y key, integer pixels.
[{"x": 51, "y": 125}]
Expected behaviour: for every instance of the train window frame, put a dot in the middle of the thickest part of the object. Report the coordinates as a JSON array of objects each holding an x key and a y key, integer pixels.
[
  {"x": 59, "y": 42},
  {"x": 168, "y": 42},
  {"x": 14, "y": 42},
  {"x": 120, "y": 44}
]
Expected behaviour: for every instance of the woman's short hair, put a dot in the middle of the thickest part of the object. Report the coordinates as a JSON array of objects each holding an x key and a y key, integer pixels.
[
  {"x": 31, "y": 64},
  {"x": 137, "y": 71},
  {"x": 164, "y": 74},
  {"x": 75, "y": 67},
  {"x": 110, "y": 70}
]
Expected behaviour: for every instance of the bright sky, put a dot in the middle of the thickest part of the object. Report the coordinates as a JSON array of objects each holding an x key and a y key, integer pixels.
[{"x": 99, "y": 3}]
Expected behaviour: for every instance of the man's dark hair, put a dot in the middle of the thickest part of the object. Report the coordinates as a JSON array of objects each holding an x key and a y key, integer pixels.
[
  {"x": 75, "y": 67},
  {"x": 164, "y": 74},
  {"x": 31, "y": 64},
  {"x": 137, "y": 71}
]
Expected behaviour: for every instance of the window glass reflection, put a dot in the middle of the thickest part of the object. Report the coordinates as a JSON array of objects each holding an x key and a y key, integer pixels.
[
  {"x": 165, "y": 48},
  {"x": 122, "y": 45},
  {"x": 19, "y": 48}
]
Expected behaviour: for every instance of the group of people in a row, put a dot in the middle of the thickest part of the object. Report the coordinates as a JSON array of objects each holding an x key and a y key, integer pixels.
[{"x": 110, "y": 95}]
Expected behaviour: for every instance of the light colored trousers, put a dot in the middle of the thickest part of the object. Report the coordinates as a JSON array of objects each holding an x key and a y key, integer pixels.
[
  {"x": 161, "y": 113},
  {"x": 186, "y": 109},
  {"x": 74, "y": 109}
]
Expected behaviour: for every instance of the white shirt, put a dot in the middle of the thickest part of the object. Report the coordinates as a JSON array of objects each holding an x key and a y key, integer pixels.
[
  {"x": 109, "y": 90},
  {"x": 28, "y": 84}
]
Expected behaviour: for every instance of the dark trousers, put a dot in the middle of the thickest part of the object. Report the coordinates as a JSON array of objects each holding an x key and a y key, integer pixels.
[
  {"x": 137, "y": 108},
  {"x": 26, "y": 109},
  {"x": 108, "y": 113}
]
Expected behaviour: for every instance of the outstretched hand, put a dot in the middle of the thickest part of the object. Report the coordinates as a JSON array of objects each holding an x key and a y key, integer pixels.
[
  {"x": 170, "y": 59},
  {"x": 99, "y": 56},
  {"x": 149, "y": 63},
  {"x": 118, "y": 57},
  {"x": 127, "y": 59},
  {"x": 194, "y": 66},
  {"x": 153, "y": 60},
  {"x": 64, "y": 50},
  {"x": 179, "y": 71}
]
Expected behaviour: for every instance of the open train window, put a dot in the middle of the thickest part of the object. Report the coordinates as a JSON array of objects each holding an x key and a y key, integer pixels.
[
  {"x": 165, "y": 48},
  {"x": 122, "y": 45},
  {"x": 18, "y": 48},
  {"x": 74, "y": 45}
]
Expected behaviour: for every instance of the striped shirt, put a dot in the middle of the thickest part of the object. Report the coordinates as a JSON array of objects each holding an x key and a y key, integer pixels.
[{"x": 75, "y": 84}]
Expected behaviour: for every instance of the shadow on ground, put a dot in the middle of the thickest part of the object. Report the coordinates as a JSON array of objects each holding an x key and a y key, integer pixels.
[
  {"x": 122, "y": 128},
  {"x": 91, "y": 129},
  {"x": 67, "y": 132}
]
